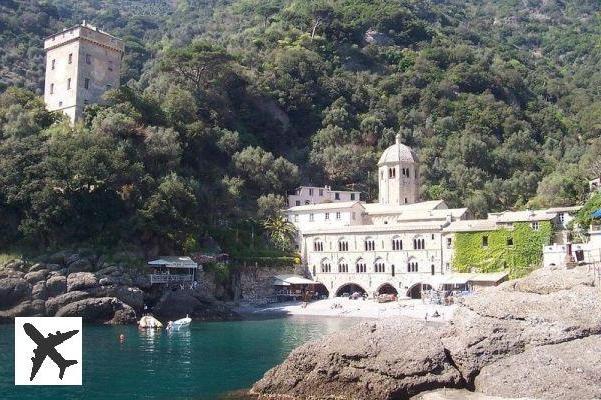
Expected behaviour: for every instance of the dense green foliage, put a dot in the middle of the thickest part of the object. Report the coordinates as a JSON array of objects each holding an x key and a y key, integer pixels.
[
  {"x": 227, "y": 104},
  {"x": 517, "y": 249}
]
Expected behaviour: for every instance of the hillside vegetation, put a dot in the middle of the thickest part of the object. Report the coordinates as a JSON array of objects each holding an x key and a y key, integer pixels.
[{"x": 226, "y": 105}]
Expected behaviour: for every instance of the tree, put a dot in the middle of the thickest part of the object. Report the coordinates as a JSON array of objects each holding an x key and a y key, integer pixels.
[{"x": 281, "y": 232}]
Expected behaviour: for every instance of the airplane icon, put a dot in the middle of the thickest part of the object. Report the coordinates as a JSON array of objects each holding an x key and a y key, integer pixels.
[{"x": 46, "y": 347}]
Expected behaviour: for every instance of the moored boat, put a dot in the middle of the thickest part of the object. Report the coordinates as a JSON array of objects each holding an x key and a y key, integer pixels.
[{"x": 179, "y": 324}]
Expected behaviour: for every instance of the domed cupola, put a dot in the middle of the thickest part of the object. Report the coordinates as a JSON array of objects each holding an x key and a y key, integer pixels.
[{"x": 398, "y": 175}]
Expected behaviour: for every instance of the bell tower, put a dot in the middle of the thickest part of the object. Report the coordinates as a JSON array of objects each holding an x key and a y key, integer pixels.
[{"x": 398, "y": 175}]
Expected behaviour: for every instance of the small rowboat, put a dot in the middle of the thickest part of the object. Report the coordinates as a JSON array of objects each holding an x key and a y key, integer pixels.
[{"x": 179, "y": 324}]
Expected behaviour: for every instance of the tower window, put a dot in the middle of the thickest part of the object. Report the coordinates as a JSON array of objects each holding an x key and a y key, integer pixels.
[
  {"x": 310, "y": 192},
  {"x": 52, "y": 88},
  {"x": 352, "y": 196},
  {"x": 60, "y": 103},
  {"x": 68, "y": 83},
  {"x": 88, "y": 59},
  {"x": 337, "y": 196},
  {"x": 86, "y": 83},
  {"x": 338, "y": 215},
  {"x": 53, "y": 64},
  {"x": 70, "y": 58},
  {"x": 327, "y": 216}
]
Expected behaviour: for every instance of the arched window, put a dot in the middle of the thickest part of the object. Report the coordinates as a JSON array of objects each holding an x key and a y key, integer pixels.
[
  {"x": 361, "y": 266},
  {"x": 412, "y": 265},
  {"x": 342, "y": 245},
  {"x": 370, "y": 244},
  {"x": 419, "y": 244},
  {"x": 397, "y": 243},
  {"x": 342, "y": 266},
  {"x": 432, "y": 269},
  {"x": 326, "y": 266},
  {"x": 317, "y": 245},
  {"x": 379, "y": 265}
]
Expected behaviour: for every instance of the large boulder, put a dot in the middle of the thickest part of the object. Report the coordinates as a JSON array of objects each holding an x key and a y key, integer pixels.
[
  {"x": 56, "y": 285},
  {"x": 131, "y": 296},
  {"x": 17, "y": 265},
  {"x": 570, "y": 370},
  {"x": 39, "y": 291},
  {"x": 36, "y": 276},
  {"x": 549, "y": 280},
  {"x": 104, "y": 309},
  {"x": 81, "y": 281},
  {"x": 37, "y": 267},
  {"x": 499, "y": 323},
  {"x": 80, "y": 265},
  {"x": 13, "y": 291},
  {"x": 58, "y": 302},
  {"x": 10, "y": 273},
  {"x": 388, "y": 359},
  {"x": 28, "y": 308}
]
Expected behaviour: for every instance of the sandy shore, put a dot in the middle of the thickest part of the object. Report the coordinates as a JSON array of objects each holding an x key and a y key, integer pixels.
[{"x": 355, "y": 309}]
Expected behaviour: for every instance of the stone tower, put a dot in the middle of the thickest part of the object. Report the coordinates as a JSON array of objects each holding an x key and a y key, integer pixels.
[
  {"x": 82, "y": 63},
  {"x": 398, "y": 175}
]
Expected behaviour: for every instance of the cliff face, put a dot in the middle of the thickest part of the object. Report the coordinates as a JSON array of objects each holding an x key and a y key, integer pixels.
[{"x": 537, "y": 337}]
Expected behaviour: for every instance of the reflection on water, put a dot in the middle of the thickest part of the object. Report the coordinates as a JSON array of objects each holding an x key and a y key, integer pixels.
[{"x": 200, "y": 363}]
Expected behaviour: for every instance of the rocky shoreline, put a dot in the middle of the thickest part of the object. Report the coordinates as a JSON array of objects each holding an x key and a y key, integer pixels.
[
  {"x": 536, "y": 337},
  {"x": 68, "y": 285}
]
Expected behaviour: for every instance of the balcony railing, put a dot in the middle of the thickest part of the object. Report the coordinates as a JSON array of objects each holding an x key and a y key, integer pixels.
[{"x": 164, "y": 278}]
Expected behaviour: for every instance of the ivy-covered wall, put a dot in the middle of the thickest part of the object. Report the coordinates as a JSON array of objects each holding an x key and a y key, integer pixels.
[{"x": 520, "y": 258}]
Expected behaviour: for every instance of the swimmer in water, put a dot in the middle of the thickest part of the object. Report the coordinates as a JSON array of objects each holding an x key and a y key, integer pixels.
[{"x": 121, "y": 338}]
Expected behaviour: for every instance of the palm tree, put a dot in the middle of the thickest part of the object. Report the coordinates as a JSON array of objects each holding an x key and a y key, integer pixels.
[{"x": 281, "y": 231}]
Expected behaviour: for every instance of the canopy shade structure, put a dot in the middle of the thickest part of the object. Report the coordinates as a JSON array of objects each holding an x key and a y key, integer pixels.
[
  {"x": 287, "y": 280},
  {"x": 596, "y": 214},
  {"x": 174, "y": 262}
]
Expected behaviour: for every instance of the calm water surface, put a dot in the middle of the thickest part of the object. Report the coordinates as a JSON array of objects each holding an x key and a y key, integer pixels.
[{"x": 205, "y": 362}]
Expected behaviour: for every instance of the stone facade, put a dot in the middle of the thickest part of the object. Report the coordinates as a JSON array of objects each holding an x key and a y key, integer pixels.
[
  {"x": 256, "y": 283},
  {"x": 82, "y": 63}
]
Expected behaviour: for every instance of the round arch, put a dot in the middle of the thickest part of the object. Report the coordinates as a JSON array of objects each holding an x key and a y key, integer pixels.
[
  {"x": 415, "y": 291},
  {"x": 349, "y": 289},
  {"x": 387, "y": 288}
]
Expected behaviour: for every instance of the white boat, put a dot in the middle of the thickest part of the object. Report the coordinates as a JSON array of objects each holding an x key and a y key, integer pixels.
[{"x": 179, "y": 324}]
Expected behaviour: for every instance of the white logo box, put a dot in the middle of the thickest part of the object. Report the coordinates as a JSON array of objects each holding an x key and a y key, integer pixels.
[{"x": 70, "y": 350}]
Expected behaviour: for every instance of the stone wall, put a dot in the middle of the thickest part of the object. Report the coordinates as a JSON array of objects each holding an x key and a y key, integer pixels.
[{"x": 256, "y": 283}]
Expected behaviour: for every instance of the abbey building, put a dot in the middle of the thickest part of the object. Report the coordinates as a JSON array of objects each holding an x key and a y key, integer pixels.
[{"x": 399, "y": 245}]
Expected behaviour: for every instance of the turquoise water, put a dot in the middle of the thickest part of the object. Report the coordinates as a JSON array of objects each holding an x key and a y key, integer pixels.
[{"x": 205, "y": 362}]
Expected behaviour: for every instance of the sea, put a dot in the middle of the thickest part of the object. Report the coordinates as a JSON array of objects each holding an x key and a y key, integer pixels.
[{"x": 210, "y": 360}]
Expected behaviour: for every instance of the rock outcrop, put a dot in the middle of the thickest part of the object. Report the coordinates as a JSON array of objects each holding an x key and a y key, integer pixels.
[
  {"x": 70, "y": 284},
  {"x": 103, "y": 309},
  {"x": 367, "y": 362},
  {"x": 536, "y": 337},
  {"x": 565, "y": 370}
]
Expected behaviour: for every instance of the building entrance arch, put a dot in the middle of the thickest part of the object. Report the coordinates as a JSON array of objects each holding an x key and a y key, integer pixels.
[
  {"x": 415, "y": 291},
  {"x": 387, "y": 288},
  {"x": 348, "y": 289}
]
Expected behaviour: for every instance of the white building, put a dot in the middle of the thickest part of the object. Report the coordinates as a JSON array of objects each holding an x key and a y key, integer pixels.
[
  {"x": 316, "y": 195},
  {"x": 395, "y": 245},
  {"x": 398, "y": 245}
]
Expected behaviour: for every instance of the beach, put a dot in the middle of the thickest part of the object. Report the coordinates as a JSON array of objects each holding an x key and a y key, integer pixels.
[{"x": 345, "y": 307}]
